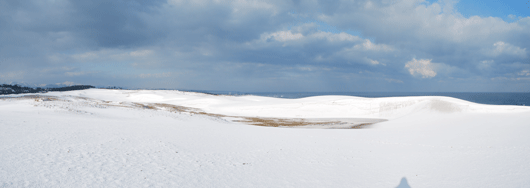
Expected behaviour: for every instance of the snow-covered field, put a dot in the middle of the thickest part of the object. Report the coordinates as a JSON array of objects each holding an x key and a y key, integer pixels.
[{"x": 129, "y": 138}]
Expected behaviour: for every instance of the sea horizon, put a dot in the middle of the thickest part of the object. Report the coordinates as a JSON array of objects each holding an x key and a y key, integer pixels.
[{"x": 495, "y": 98}]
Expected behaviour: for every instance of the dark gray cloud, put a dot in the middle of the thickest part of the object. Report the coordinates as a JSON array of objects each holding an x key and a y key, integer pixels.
[
  {"x": 247, "y": 45},
  {"x": 115, "y": 23}
]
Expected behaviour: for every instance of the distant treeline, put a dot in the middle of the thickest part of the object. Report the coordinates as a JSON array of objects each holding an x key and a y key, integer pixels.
[{"x": 16, "y": 89}]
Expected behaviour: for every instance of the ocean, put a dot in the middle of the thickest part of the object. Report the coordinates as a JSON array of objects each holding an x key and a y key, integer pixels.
[{"x": 496, "y": 98}]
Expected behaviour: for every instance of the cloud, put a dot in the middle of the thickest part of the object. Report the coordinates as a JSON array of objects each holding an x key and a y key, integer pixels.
[
  {"x": 75, "y": 73},
  {"x": 422, "y": 67},
  {"x": 485, "y": 64},
  {"x": 141, "y": 53},
  {"x": 373, "y": 62},
  {"x": 155, "y": 75},
  {"x": 393, "y": 80},
  {"x": 85, "y": 56},
  {"x": 501, "y": 48},
  {"x": 368, "y": 45},
  {"x": 273, "y": 44},
  {"x": 283, "y": 36},
  {"x": 335, "y": 37},
  {"x": 487, "y": 61},
  {"x": 524, "y": 73},
  {"x": 12, "y": 75},
  {"x": 295, "y": 36}
]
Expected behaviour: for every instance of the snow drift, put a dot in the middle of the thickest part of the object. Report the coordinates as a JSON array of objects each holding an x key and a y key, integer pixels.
[{"x": 111, "y": 138}]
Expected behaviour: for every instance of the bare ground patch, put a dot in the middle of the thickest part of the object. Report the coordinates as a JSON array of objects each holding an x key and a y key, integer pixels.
[
  {"x": 37, "y": 98},
  {"x": 262, "y": 121},
  {"x": 257, "y": 121}
]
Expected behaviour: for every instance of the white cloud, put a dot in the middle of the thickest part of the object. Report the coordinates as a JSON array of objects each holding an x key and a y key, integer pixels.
[
  {"x": 368, "y": 45},
  {"x": 253, "y": 31},
  {"x": 85, "y": 56},
  {"x": 506, "y": 48},
  {"x": 295, "y": 35},
  {"x": 335, "y": 37},
  {"x": 487, "y": 61},
  {"x": 374, "y": 62},
  {"x": 485, "y": 64},
  {"x": 356, "y": 53},
  {"x": 524, "y": 73},
  {"x": 305, "y": 68},
  {"x": 417, "y": 21},
  {"x": 393, "y": 80},
  {"x": 422, "y": 67},
  {"x": 282, "y": 36},
  {"x": 141, "y": 53}
]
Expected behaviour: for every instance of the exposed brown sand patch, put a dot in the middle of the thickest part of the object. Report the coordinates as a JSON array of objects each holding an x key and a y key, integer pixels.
[
  {"x": 34, "y": 97},
  {"x": 280, "y": 122},
  {"x": 344, "y": 123},
  {"x": 261, "y": 121}
]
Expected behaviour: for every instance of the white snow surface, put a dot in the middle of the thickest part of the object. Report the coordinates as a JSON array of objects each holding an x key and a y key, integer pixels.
[{"x": 431, "y": 141}]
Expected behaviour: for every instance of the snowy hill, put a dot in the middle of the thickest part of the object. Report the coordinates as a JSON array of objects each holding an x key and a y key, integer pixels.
[{"x": 126, "y": 138}]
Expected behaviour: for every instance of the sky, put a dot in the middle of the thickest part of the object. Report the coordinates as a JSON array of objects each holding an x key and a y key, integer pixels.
[{"x": 269, "y": 46}]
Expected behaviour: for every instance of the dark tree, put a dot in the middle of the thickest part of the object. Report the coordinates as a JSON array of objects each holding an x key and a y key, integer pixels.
[{"x": 6, "y": 89}]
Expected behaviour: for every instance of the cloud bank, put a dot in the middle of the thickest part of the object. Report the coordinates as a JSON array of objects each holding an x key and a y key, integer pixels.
[{"x": 247, "y": 45}]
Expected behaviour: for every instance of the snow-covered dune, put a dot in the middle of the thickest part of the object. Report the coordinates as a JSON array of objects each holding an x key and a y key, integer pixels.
[
  {"x": 310, "y": 107},
  {"x": 102, "y": 138}
]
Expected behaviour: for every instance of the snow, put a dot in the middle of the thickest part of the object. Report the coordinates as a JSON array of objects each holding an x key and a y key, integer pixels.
[{"x": 98, "y": 138}]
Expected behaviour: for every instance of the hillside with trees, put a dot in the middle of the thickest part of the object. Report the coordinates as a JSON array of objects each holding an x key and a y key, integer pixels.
[{"x": 6, "y": 89}]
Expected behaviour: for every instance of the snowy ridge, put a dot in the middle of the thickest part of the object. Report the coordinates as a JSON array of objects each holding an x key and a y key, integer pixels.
[
  {"x": 112, "y": 138},
  {"x": 310, "y": 107}
]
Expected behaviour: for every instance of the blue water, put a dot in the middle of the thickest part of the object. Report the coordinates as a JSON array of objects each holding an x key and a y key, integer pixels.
[{"x": 483, "y": 98}]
